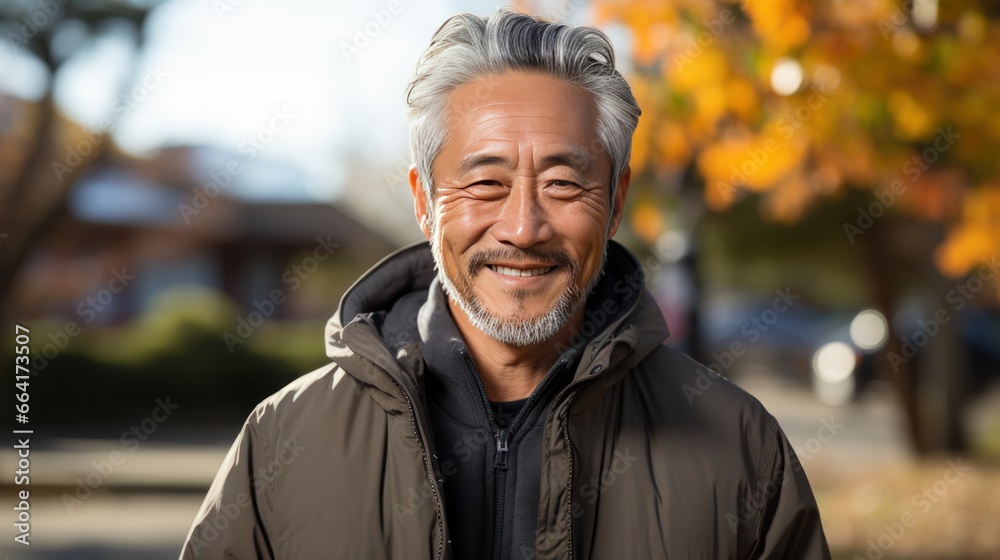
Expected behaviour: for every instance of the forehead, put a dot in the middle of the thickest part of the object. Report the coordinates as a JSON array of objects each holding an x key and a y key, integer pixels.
[{"x": 503, "y": 105}]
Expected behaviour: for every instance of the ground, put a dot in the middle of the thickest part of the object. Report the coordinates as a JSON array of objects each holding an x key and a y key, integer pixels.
[{"x": 877, "y": 503}]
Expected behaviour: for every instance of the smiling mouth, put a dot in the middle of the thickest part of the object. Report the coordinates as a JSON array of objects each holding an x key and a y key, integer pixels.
[{"x": 508, "y": 271}]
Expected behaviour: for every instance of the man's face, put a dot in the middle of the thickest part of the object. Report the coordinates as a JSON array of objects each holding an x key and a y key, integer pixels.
[{"x": 522, "y": 206}]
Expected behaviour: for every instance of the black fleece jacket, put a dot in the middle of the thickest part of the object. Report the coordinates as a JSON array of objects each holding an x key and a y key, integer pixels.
[{"x": 491, "y": 495}]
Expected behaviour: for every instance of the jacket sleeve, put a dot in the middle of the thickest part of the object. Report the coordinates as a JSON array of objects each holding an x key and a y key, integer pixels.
[
  {"x": 789, "y": 524},
  {"x": 234, "y": 519}
]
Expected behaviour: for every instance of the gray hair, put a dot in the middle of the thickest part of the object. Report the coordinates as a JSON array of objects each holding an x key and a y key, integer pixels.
[{"x": 467, "y": 47}]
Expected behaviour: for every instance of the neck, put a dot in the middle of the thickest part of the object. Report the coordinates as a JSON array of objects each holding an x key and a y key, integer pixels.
[{"x": 511, "y": 373}]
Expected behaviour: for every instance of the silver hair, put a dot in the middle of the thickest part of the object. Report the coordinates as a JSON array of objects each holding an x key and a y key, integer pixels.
[{"x": 467, "y": 47}]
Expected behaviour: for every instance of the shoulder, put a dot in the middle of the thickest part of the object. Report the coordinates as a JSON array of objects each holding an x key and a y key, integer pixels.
[
  {"x": 315, "y": 385},
  {"x": 705, "y": 411},
  {"x": 323, "y": 416},
  {"x": 691, "y": 387},
  {"x": 304, "y": 403}
]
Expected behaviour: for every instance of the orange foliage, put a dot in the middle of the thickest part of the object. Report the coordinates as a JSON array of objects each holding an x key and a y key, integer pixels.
[
  {"x": 781, "y": 24},
  {"x": 869, "y": 85},
  {"x": 976, "y": 236},
  {"x": 755, "y": 162},
  {"x": 647, "y": 222}
]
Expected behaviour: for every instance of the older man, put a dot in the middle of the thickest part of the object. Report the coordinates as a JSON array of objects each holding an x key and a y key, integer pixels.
[{"x": 503, "y": 392}]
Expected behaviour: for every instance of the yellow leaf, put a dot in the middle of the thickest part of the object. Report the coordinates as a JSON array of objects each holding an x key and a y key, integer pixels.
[
  {"x": 779, "y": 23},
  {"x": 647, "y": 222},
  {"x": 692, "y": 73},
  {"x": 976, "y": 237},
  {"x": 674, "y": 146},
  {"x": 754, "y": 162},
  {"x": 912, "y": 119},
  {"x": 789, "y": 200},
  {"x": 742, "y": 99}
]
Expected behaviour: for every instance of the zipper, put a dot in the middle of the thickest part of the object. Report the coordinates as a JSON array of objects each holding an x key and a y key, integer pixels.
[
  {"x": 569, "y": 473},
  {"x": 428, "y": 464},
  {"x": 438, "y": 503},
  {"x": 502, "y": 438},
  {"x": 568, "y": 395},
  {"x": 500, "y": 464},
  {"x": 500, "y": 476}
]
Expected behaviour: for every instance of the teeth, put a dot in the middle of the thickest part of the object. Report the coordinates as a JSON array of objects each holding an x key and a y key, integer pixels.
[{"x": 508, "y": 271}]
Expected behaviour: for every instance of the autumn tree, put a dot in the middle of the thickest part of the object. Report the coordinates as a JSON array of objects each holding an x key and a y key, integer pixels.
[{"x": 796, "y": 105}]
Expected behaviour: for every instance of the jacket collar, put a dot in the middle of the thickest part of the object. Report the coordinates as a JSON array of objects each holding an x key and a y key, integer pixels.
[{"x": 376, "y": 326}]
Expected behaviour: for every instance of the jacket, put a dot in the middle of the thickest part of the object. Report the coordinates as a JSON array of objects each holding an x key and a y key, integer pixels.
[{"x": 646, "y": 453}]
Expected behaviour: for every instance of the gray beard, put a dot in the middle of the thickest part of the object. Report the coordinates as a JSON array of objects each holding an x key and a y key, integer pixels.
[{"x": 515, "y": 332}]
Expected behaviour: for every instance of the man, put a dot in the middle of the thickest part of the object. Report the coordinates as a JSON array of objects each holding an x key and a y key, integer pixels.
[{"x": 503, "y": 392}]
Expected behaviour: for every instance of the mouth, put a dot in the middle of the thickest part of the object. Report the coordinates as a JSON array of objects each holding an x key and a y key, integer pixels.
[{"x": 520, "y": 272}]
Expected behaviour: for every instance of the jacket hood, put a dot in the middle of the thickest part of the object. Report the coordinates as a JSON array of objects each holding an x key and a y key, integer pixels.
[{"x": 400, "y": 279}]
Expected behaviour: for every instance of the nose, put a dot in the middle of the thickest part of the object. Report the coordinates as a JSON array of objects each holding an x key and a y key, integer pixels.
[{"x": 523, "y": 221}]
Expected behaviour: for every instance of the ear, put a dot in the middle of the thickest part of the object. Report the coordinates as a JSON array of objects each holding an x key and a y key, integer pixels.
[
  {"x": 619, "y": 202},
  {"x": 419, "y": 201}
]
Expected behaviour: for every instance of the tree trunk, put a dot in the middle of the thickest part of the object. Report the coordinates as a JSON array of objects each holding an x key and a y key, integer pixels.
[
  {"x": 883, "y": 266},
  {"x": 929, "y": 370}
]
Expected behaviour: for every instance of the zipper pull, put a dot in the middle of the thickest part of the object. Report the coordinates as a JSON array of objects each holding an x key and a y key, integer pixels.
[{"x": 501, "y": 462}]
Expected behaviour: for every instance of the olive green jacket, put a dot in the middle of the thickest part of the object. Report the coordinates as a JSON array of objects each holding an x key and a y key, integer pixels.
[{"x": 646, "y": 453}]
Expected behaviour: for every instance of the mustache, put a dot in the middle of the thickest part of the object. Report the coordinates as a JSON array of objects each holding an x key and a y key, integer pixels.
[{"x": 479, "y": 259}]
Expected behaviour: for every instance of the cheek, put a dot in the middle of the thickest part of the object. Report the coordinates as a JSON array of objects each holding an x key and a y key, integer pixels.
[
  {"x": 590, "y": 212},
  {"x": 461, "y": 224},
  {"x": 587, "y": 239}
]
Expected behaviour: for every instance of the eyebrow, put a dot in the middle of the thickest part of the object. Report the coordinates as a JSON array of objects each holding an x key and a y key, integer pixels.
[
  {"x": 474, "y": 161},
  {"x": 575, "y": 159}
]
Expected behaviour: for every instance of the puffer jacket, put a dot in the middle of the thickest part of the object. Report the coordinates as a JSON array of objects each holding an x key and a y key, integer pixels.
[{"x": 646, "y": 454}]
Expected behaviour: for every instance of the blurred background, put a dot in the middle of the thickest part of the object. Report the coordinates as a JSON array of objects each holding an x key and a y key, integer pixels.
[{"x": 187, "y": 187}]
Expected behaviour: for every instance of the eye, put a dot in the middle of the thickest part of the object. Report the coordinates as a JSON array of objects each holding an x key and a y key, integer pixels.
[
  {"x": 562, "y": 188},
  {"x": 486, "y": 189}
]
